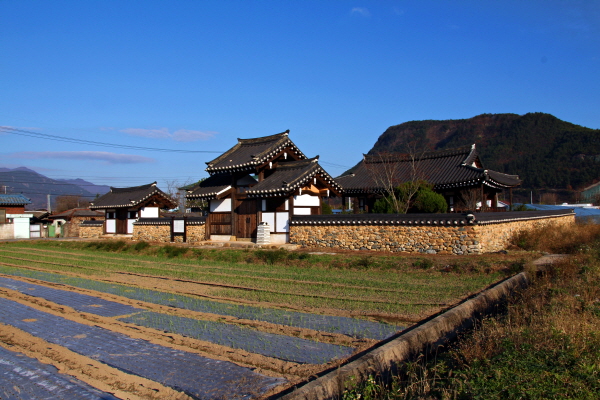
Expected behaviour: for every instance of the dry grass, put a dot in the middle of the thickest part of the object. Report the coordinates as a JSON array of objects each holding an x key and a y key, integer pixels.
[
  {"x": 558, "y": 239},
  {"x": 546, "y": 344}
]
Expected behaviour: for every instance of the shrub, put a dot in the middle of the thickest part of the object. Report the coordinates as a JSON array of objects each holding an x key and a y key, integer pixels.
[
  {"x": 428, "y": 201},
  {"x": 172, "y": 251},
  {"x": 271, "y": 256},
  {"x": 141, "y": 245}
]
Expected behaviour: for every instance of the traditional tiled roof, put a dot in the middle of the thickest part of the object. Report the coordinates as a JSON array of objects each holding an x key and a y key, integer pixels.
[
  {"x": 13, "y": 200},
  {"x": 444, "y": 169},
  {"x": 77, "y": 212},
  {"x": 448, "y": 219},
  {"x": 290, "y": 176},
  {"x": 130, "y": 197},
  {"x": 247, "y": 154},
  {"x": 211, "y": 187}
]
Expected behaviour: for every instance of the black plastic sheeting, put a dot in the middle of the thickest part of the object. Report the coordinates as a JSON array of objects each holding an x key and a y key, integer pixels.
[
  {"x": 283, "y": 347},
  {"x": 78, "y": 301},
  {"x": 357, "y": 328},
  {"x": 288, "y": 348},
  {"x": 197, "y": 376},
  {"x": 26, "y": 378}
]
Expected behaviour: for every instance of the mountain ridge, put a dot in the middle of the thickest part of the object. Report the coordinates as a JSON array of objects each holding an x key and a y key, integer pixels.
[
  {"x": 543, "y": 150},
  {"x": 36, "y": 186}
]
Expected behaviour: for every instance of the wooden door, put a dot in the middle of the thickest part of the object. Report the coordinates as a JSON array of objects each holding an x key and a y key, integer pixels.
[
  {"x": 246, "y": 218},
  {"x": 121, "y": 228}
]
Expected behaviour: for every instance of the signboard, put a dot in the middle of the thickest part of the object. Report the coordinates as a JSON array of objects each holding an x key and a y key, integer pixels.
[{"x": 178, "y": 226}]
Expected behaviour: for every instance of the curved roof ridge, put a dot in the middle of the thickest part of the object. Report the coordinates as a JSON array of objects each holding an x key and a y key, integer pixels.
[
  {"x": 133, "y": 188},
  {"x": 263, "y": 139},
  {"x": 468, "y": 150}
]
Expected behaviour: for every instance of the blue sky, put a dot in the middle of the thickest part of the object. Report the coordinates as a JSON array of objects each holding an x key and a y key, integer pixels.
[{"x": 197, "y": 75}]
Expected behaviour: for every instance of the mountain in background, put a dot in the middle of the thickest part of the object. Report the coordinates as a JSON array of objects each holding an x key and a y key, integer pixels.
[
  {"x": 36, "y": 187},
  {"x": 90, "y": 187},
  {"x": 544, "y": 151}
]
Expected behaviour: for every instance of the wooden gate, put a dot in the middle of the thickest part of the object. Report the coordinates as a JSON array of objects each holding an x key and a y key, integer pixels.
[
  {"x": 121, "y": 222},
  {"x": 246, "y": 218}
]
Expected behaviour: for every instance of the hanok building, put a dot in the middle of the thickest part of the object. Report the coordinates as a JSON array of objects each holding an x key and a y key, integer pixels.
[
  {"x": 123, "y": 206},
  {"x": 457, "y": 174},
  {"x": 266, "y": 179}
]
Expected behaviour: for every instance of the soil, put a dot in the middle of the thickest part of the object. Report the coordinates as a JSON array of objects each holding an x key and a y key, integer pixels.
[{"x": 129, "y": 386}]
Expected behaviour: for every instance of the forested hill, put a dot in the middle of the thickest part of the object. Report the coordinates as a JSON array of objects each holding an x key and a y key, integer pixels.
[{"x": 543, "y": 150}]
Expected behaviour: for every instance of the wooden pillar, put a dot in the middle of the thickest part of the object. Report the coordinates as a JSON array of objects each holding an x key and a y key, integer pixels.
[
  {"x": 483, "y": 199},
  {"x": 511, "y": 199},
  {"x": 233, "y": 207}
]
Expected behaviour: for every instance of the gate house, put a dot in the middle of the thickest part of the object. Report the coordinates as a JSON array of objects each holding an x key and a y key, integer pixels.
[
  {"x": 123, "y": 206},
  {"x": 266, "y": 179}
]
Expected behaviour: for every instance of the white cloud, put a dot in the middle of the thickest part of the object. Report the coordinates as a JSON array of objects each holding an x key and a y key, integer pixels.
[
  {"x": 107, "y": 157},
  {"x": 361, "y": 11},
  {"x": 181, "y": 135}
]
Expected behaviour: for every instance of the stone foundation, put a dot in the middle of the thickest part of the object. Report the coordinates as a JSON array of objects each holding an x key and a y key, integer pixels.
[{"x": 420, "y": 233}]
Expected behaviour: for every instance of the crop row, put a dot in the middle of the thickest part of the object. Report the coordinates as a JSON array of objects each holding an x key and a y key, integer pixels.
[{"x": 349, "y": 326}]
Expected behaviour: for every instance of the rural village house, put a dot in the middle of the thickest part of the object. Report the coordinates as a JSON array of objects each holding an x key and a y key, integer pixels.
[
  {"x": 457, "y": 174},
  {"x": 14, "y": 222},
  {"x": 261, "y": 180},
  {"x": 123, "y": 206}
]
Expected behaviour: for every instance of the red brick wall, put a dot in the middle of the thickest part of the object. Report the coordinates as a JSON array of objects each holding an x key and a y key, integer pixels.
[{"x": 13, "y": 210}]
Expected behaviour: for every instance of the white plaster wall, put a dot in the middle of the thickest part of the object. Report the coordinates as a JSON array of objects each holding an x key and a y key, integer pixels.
[
  {"x": 148, "y": 212},
  {"x": 130, "y": 225},
  {"x": 222, "y": 205},
  {"x": 306, "y": 200},
  {"x": 111, "y": 225}
]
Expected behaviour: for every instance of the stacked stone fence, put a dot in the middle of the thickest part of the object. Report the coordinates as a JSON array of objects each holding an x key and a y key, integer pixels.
[
  {"x": 91, "y": 229},
  {"x": 421, "y": 233},
  {"x": 160, "y": 230}
]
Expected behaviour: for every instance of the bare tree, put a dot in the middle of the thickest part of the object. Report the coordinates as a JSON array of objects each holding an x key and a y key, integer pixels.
[
  {"x": 67, "y": 202},
  {"x": 549, "y": 198},
  {"x": 175, "y": 190},
  {"x": 398, "y": 176},
  {"x": 469, "y": 199}
]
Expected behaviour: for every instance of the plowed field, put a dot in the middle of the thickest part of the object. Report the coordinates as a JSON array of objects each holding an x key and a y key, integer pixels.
[{"x": 82, "y": 323}]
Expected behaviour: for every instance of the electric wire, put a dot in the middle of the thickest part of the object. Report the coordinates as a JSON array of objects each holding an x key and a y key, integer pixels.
[{"x": 22, "y": 132}]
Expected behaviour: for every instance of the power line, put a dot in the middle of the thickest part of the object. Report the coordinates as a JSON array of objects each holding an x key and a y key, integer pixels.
[{"x": 22, "y": 132}]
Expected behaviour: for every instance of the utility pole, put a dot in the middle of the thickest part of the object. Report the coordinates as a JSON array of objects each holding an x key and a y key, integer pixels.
[{"x": 49, "y": 209}]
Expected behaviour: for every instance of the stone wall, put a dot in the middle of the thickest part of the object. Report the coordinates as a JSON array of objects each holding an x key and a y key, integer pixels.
[
  {"x": 420, "y": 233},
  {"x": 495, "y": 237},
  {"x": 71, "y": 228},
  {"x": 152, "y": 233},
  {"x": 7, "y": 231},
  {"x": 91, "y": 231},
  {"x": 161, "y": 232}
]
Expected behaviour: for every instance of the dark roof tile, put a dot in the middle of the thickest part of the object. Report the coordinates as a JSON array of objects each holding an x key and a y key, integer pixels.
[
  {"x": 443, "y": 169},
  {"x": 247, "y": 154},
  {"x": 130, "y": 197},
  {"x": 291, "y": 175},
  {"x": 210, "y": 187}
]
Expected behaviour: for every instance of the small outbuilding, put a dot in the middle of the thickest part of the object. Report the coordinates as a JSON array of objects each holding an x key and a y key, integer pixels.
[
  {"x": 14, "y": 222},
  {"x": 67, "y": 222},
  {"x": 123, "y": 206}
]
